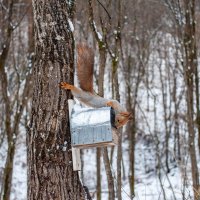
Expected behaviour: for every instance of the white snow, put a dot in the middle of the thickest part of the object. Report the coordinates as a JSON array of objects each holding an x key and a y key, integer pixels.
[
  {"x": 58, "y": 37},
  {"x": 71, "y": 25}
]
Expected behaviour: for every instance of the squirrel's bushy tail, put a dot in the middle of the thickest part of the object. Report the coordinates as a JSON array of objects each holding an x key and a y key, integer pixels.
[{"x": 85, "y": 67}]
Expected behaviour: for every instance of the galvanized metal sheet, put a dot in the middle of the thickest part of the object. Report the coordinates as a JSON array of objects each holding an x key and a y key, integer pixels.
[{"x": 91, "y": 126}]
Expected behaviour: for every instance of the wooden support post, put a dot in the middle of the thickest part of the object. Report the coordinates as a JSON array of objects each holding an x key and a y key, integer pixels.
[{"x": 76, "y": 158}]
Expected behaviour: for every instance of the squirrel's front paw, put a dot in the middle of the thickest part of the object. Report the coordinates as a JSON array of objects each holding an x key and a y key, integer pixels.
[{"x": 66, "y": 86}]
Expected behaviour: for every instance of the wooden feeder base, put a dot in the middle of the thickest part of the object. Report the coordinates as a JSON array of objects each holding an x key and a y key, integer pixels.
[{"x": 115, "y": 139}]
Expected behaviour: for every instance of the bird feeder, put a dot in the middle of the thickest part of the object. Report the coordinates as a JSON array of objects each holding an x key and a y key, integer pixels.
[{"x": 91, "y": 127}]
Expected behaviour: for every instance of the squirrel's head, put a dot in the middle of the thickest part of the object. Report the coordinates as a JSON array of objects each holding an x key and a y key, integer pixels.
[
  {"x": 121, "y": 115},
  {"x": 122, "y": 118}
]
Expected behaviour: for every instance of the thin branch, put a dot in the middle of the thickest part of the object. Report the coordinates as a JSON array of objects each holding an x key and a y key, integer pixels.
[{"x": 105, "y": 9}]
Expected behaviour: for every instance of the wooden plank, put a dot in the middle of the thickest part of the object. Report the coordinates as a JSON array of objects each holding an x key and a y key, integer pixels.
[
  {"x": 86, "y": 146},
  {"x": 101, "y": 144},
  {"x": 76, "y": 158}
]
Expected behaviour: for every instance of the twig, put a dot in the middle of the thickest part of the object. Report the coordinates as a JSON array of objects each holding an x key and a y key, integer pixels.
[{"x": 104, "y": 9}]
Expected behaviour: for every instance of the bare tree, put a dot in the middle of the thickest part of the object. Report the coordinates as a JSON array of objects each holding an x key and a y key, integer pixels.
[
  {"x": 190, "y": 67},
  {"x": 184, "y": 15},
  {"x": 15, "y": 80}
]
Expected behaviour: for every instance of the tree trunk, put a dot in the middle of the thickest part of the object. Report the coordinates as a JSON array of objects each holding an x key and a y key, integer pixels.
[
  {"x": 111, "y": 190},
  {"x": 131, "y": 137},
  {"x": 8, "y": 171},
  {"x": 7, "y": 174},
  {"x": 102, "y": 63},
  {"x": 98, "y": 175},
  {"x": 50, "y": 173},
  {"x": 119, "y": 164},
  {"x": 165, "y": 116},
  {"x": 190, "y": 66},
  {"x": 131, "y": 130}
]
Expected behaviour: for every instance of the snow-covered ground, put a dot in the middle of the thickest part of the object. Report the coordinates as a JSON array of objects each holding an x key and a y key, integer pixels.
[{"x": 147, "y": 184}]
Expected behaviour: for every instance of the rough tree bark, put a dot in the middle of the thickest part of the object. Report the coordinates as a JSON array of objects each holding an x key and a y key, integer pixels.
[{"x": 50, "y": 173}]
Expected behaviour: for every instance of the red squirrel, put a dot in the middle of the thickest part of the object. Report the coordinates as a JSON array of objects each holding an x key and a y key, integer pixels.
[{"x": 85, "y": 94}]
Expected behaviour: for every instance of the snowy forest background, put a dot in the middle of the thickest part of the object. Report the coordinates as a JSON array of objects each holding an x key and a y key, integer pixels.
[{"x": 148, "y": 52}]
